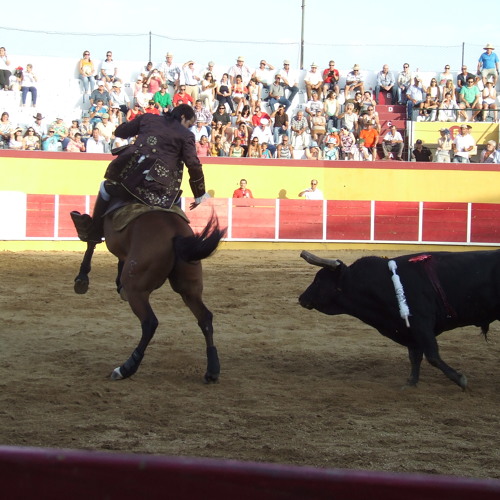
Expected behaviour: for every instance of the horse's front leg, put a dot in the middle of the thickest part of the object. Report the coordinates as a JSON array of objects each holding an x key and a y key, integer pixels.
[{"x": 81, "y": 284}]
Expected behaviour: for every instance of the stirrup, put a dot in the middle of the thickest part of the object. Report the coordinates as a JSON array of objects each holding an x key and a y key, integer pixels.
[{"x": 85, "y": 228}]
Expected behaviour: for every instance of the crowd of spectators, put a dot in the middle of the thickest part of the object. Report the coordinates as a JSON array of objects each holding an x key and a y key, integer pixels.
[{"x": 248, "y": 112}]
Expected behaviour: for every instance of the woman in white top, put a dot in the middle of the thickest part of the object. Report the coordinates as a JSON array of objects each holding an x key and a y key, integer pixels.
[
  {"x": 489, "y": 101},
  {"x": 207, "y": 95},
  {"x": 28, "y": 85}
]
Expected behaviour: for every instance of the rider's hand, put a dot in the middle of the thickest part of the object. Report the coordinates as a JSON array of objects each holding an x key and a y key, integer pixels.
[{"x": 199, "y": 200}]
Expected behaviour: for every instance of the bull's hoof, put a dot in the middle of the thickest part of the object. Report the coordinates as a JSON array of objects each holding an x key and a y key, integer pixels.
[
  {"x": 210, "y": 378},
  {"x": 81, "y": 285},
  {"x": 116, "y": 374}
]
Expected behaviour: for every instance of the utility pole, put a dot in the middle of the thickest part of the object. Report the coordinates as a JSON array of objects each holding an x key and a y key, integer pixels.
[
  {"x": 149, "y": 59},
  {"x": 302, "y": 36}
]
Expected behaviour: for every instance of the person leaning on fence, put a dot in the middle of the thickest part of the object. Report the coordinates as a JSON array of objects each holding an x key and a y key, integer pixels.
[
  {"x": 463, "y": 145},
  {"x": 490, "y": 154},
  {"x": 312, "y": 193},
  {"x": 444, "y": 144},
  {"x": 421, "y": 152}
]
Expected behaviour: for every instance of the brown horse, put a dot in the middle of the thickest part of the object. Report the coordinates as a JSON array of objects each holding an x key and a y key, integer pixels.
[{"x": 153, "y": 247}]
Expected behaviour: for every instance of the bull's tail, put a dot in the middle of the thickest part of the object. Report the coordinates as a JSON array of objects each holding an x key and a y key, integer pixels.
[{"x": 202, "y": 245}]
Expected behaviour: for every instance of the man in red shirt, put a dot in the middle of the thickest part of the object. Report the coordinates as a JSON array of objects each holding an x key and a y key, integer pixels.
[
  {"x": 370, "y": 135},
  {"x": 151, "y": 108},
  {"x": 331, "y": 78},
  {"x": 182, "y": 98},
  {"x": 242, "y": 191}
]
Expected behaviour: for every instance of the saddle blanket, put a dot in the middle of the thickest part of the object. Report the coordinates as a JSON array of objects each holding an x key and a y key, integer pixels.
[{"x": 126, "y": 214}]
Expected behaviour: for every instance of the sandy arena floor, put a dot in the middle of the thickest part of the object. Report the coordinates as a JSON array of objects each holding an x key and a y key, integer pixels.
[{"x": 296, "y": 387}]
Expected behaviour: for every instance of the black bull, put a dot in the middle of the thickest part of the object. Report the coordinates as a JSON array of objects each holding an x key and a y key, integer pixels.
[{"x": 443, "y": 291}]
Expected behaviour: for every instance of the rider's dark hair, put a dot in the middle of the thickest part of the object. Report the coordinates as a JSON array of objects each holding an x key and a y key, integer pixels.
[{"x": 183, "y": 110}]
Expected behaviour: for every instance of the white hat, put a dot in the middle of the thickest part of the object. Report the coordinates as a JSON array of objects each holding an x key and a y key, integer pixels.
[
  {"x": 489, "y": 46},
  {"x": 264, "y": 121}
]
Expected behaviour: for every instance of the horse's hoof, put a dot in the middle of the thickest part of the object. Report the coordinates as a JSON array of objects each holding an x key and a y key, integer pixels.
[
  {"x": 210, "y": 378},
  {"x": 81, "y": 286},
  {"x": 116, "y": 374},
  {"x": 462, "y": 382},
  {"x": 123, "y": 294}
]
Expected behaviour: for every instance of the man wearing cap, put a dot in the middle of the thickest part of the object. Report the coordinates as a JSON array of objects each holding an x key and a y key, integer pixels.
[
  {"x": 354, "y": 81},
  {"x": 263, "y": 74},
  {"x": 488, "y": 64},
  {"x": 393, "y": 143},
  {"x": 313, "y": 81},
  {"x": 118, "y": 97},
  {"x": 444, "y": 145},
  {"x": 171, "y": 73},
  {"x": 39, "y": 127},
  {"x": 490, "y": 154},
  {"x": 463, "y": 145},
  {"x": 240, "y": 68},
  {"x": 290, "y": 79},
  {"x": 277, "y": 94},
  {"x": 99, "y": 93},
  {"x": 263, "y": 134},
  {"x": 421, "y": 152}
]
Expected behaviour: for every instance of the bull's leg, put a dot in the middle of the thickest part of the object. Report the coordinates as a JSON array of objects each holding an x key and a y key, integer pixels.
[
  {"x": 186, "y": 280},
  {"x": 416, "y": 355},
  {"x": 81, "y": 284}
]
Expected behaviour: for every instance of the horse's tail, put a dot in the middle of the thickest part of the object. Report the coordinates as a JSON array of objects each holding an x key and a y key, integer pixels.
[{"x": 202, "y": 245}]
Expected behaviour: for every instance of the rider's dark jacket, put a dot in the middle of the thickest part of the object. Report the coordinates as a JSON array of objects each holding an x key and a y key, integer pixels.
[{"x": 151, "y": 168}]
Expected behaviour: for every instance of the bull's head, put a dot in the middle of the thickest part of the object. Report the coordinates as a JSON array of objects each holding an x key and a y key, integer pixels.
[{"x": 322, "y": 293}]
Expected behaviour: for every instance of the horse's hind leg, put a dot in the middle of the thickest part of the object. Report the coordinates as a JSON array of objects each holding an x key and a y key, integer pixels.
[
  {"x": 186, "y": 280},
  {"x": 81, "y": 284}
]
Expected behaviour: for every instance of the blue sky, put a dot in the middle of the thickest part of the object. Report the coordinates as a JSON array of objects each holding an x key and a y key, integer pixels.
[{"x": 427, "y": 34}]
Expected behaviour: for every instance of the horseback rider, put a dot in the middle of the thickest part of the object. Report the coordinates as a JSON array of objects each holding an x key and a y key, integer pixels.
[{"x": 149, "y": 170}]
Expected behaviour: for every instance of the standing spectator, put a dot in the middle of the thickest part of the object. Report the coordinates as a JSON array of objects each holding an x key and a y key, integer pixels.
[
  {"x": 243, "y": 191},
  {"x": 109, "y": 71},
  {"x": 240, "y": 69},
  {"x": 470, "y": 97},
  {"x": 95, "y": 144},
  {"x": 277, "y": 94},
  {"x": 208, "y": 86},
  {"x": 488, "y": 65},
  {"x": 290, "y": 78},
  {"x": 40, "y": 128},
  {"x": 28, "y": 85},
  {"x": 313, "y": 81},
  {"x": 490, "y": 154},
  {"x": 415, "y": 96},
  {"x": 331, "y": 77},
  {"x": 99, "y": 93},
  {"x": 444, "y": 146},
  {"x": 463, "y": 145},
  {"x": 118, "y": 97},
  {"x": 421, "y": 152},
  {"x": 405, "y": 79},
  {"x": 392, "y": 143},
  {"x": 86, "y": 72},
  {"x": 4, "y": 69},
  {"x": 171, "y": 73},
  {"x": 191, "y": 79},
  {"x": 263, "y": 74},
  {"x": 312, "y": 193},
  {"x": 387, "y": 83},
  {"x": 224, "y": 91},
  {"x": 354, "y": 81}
]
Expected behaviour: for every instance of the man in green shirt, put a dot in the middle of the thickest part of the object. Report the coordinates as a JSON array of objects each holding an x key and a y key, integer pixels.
[
  {"x": 162, "y": 99},
  {"x": 469, "y": 99}
]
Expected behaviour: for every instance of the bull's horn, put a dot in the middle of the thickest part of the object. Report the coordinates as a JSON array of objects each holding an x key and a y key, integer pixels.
[{"x": 318, "y": 261}]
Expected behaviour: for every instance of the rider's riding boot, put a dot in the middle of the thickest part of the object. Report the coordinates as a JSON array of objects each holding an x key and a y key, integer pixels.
[{"x": 91, "y": 229}]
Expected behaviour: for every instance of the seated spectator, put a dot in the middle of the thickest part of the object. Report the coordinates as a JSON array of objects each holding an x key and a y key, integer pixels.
[
  {"x": 242, "y": 132},
  {"x": 428, "y": 110},
  {"x": 253, "y": 93},
  {"x": 163, "y": 100},
  {"x": 347, "y": 141},
  {"x": 490, "y": 154},
  {"x": 31, "y": 141},
  {"x": 236, "y": 150},
  {"x": 290, "y": 78},
  {"x": 313, "y": 152},
  {"x": 264, "y": 152},
  {"x": 489, "y": 97},
  {"x": 264, "y": 134},
  {"x": 99, "y": 93},
  {"x": 85, "y": 126},
  {"x": 118, "y": 142},
  {"x": 444, "y": 146},
  {"x": 28, "y": 86},
  {"x": 15, "y": 79},
  {"x": 370, "y": 136},
  {"x": 354, "y": 81},
  {"x": 75, "y": 144},
  {"x": 75, "y": 127},
  {"x": 245, "y": 116},
  {"x": 16, "y": 139},
  {"x": 240, "y": 93},
  {"x": 145, "y": 72},
  {"x": 281, "y": 124},
  {"x": 284, "y": 151},
  {"x": 96, "y": 143},
  {"x": 299, "y": 127},
  {"x": 181, "y": 97},
  {"x": 434, "y": 92},
  {"x": 314, "y": 105},
  {"x": 40, "y": 128},
  {"x": 143, "y": 97},
  {"x": 115, "y": 115},
  {"x": 51, "y": 142},
  {"x": 86, "y": 73},
  {"x": 118, "y": 97},
  {"x": 217, "y": 147},
  {"x": 393, "y": 143},
  {"x": 263, "y": 76},
  {"x": 331, "y": 150},
  {"x": 203, "y": 146},
  {"x": 313, "y": 81},
  {"x": 444, "y": 77},
  {"x": 449, "y": 87},
  {"x": 254, "y": 150},
  {"x": 151, "y": 108},
  {"x": 462, "y": 78},
  {"x": 370, "y": 116},
  {"x": 107, "y": 130},
  {"x": 333, "y": 136},
  {"x": 4, "y": 69},
  {"x": 367, "y": 101},
  {"x": 470, "y": 98},
  {"x": 223, "y": 92},
  {"x": 243, "y": 191},
  {"x": 421, "y": 152},
  {"x": 331, "y": 106},
  {"x": 448, "y": 109},
  {"x": 61, "y": 131},
  {"x": 360, "y": 152},
  {"x": 414, "y": 96},
  {"x": 277, "y": 94},
  {"x": 258, "y": 115},
  {"x": 6, "y": 129},
  {"x": 463, "y": 145},
  {"x": 350, "y": 118},
  {"x": 203, "y": 115},
  {"x": 109, "y": 70},
  {"x": 318, "y": 127},
  {"x": 240, "y": 68},
  {"x": 331, "y": 77},
  {"x": 386, "y": 83},
  {"x": 405, "y": 79},
  {"x": 221, "y": 116},
  {"x": 207, "y": 94},
  {"x": 97, "y": 111},
  {"x": 134, "y": 112},
  {"x": 154, "y": 81},
  {"x": 199, "y": 130}
]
